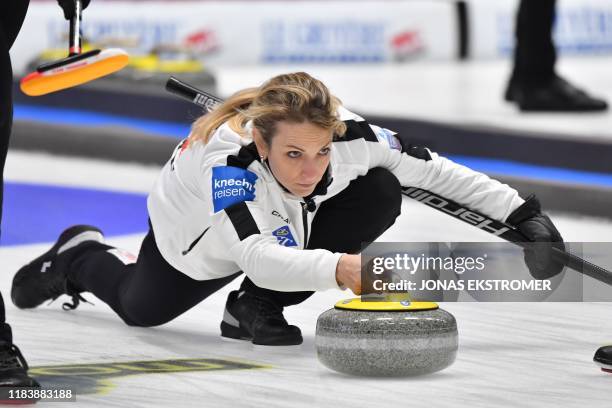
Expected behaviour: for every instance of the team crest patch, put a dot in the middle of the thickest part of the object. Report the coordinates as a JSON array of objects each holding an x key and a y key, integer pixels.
[
  {"x": 232, "y": 185},
  {"x": 284, "y": 237}
]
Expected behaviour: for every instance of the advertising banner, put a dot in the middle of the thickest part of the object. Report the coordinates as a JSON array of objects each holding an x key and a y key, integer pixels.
[
  {"x": 253, "y": 32},
  {"x": 582, "y": 27}
]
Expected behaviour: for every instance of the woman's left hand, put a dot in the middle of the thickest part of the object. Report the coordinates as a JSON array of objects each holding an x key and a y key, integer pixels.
[{"x": 536, "y": 226}]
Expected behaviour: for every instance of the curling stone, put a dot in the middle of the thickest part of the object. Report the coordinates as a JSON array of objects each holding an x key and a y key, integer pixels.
[{"x": 386, "y": 338}]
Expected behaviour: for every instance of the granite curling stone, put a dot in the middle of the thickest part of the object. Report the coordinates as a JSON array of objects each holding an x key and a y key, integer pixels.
[{"x": 386, "y": 338}]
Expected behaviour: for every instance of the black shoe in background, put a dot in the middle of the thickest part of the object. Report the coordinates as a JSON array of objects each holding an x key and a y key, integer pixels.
[
  {"x": 14, "y": 373},
  {"x": 555, "y": 95},
  {"x": 603, "y": 358},
  {"x": 249, "y": 317}
]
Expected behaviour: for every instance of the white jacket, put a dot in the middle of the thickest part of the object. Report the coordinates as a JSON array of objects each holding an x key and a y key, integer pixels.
[{"x": 216, "y": 209}]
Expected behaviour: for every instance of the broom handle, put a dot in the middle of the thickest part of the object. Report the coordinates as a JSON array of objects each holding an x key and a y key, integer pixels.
[{"x": 74, "y": 39}]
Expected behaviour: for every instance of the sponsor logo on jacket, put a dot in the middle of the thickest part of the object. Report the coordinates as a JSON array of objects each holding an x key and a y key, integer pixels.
[
  {"x": 279, "y": 215},
  {"x": 232, "y": 185}
]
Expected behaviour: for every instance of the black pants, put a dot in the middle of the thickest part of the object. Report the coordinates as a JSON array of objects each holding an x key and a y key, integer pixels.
[
  {"x": 12, "y": 14},
  {"x": 535, "y": 54},
  {"x": 151, "y": 292}
]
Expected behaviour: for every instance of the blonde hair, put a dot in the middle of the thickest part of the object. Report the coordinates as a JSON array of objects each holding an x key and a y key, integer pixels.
[{"x": 295, "y": 97}]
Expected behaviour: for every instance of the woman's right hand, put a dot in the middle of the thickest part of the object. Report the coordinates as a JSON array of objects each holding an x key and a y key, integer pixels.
[{"x": 348, "y": 272}]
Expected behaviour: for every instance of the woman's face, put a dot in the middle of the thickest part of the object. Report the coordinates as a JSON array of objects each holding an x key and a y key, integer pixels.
[{"x": 298, "y": 155}]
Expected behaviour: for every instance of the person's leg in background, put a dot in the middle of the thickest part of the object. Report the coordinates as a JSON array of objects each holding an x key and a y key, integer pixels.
[
  {"x": 359, "y": 214},
  {"x": 534, "y": 84},
  {"x": 535, "y": 55},
  {"x": 13, "y": 366},
  {"x": 12, "y": 14}
]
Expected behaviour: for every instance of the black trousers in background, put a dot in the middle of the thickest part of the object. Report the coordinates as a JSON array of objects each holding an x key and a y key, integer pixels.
[
  {"x": 12, "y": 14},
  {"x": 151, "y": 292},
  {"x": 535, "y": 54}
]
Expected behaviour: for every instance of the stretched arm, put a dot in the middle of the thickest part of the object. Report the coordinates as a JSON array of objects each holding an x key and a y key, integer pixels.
[
  {"x": 270, "y": 265},
  {"x": 417, "y": 166}
]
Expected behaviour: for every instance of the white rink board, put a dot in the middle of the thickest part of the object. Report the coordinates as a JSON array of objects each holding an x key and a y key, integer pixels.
[
  {"x": 582, "y": 27},
  {"x": 254, "y": 32}
]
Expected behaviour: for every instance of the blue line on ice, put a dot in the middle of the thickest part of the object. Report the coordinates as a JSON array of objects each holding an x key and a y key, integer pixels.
[{"x": 39, "y": 213}]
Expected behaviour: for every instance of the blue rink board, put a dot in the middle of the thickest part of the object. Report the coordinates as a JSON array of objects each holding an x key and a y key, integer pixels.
[
  {"x": 39, "y": 213},
  {"x": 77, "y": 117}
]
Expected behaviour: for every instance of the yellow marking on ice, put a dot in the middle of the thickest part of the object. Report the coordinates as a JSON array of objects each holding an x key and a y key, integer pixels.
[
  {"x": 73, "y": 370},
  {"x": 96, "y": 378}
]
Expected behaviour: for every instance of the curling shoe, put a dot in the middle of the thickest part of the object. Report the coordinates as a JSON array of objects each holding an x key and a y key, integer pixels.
[
  {"x": 46, "y": 277},
  {"x": 250, "y": 317}
]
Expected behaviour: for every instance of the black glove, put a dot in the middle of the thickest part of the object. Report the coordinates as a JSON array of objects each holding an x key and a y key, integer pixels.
[
  {"x": 536, "y": 226},
  {"x": 68, "y": 7}
]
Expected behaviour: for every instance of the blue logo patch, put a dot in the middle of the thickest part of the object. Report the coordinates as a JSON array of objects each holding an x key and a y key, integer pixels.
[
  {"x": 232, "y": 185},
  {"x": 388, "y": 137},
  {"x": 284, "y": 237}
]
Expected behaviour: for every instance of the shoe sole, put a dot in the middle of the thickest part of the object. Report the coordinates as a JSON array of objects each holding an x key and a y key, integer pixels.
[
  {"x": 278, "y": 341},
  {"x": 278, "y": 349},
  {"x": 234, "y": 341},
  {"x": 235, "y": 333},
  {"x": 605, "y": 366},
  {"x": 20, "y": 402},
  {"x": 559, "y": 110},
  {"x": 89, "y": 233},
  {"x": 231, "y": 332}
]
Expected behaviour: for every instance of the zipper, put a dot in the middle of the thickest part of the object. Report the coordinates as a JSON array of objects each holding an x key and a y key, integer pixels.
[
  {"x": 194, "y": 243},
  {"x": 305, "y": 205}
]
